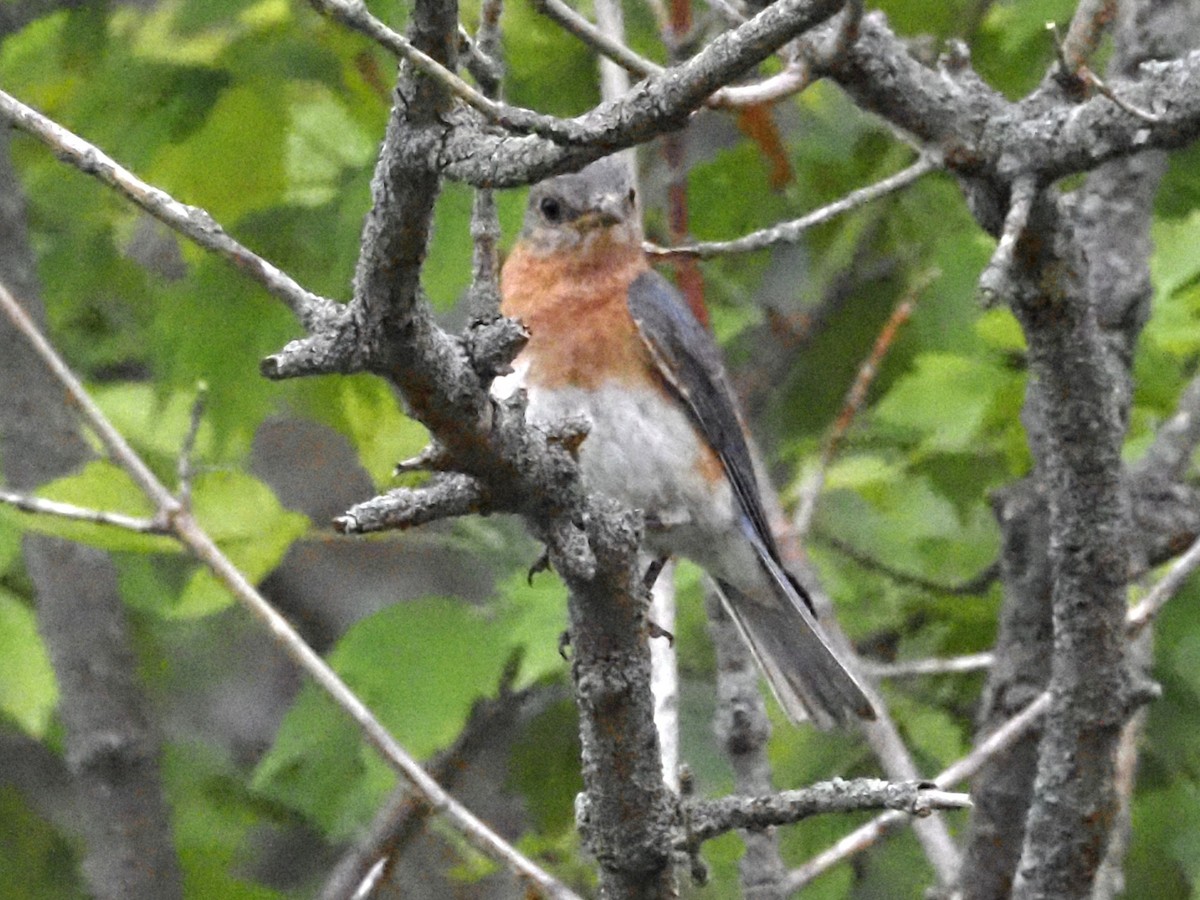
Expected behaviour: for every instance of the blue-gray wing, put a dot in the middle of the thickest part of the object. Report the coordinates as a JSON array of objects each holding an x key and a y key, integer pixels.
[
  {"x": 804, "y": 671},
  {"x": 688, "y": 359}
]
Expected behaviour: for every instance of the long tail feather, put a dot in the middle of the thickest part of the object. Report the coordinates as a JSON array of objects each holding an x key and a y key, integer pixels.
[{"x": 806, "y": 675}]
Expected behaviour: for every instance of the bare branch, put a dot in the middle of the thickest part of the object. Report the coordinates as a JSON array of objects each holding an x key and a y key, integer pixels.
[
  {"x": 484, "y": 67},
  {"x": 996, "y": 279},
  {"x": 184, "y": 467},
  {"x": 189, "y": 533},
  {"x": 660, "y": 103},
  {"x": 1088, "y": 80},
  {"x": 612, "y": 48},
  {"x": 1091, "y": 19},
  {"x": 31, "y": 504},
  {"x": 954, "y": 665},
  {"x": 708, "y": 819},
  {"x": 868, "y": 835},
  {"x": 855, "y": 398},
  {"x": 484, "y": 295},
  {"x": 445, "y": 496},
  {"x": 1164, "y": 589},
  {"x": 998, "y": 741},
  {"x": 790, "y": 232},
  {"x": 355, "y": 14},
  {"x": 743, "y": 731},
  {"x": 398, "y": 820},
  {"x": 190, "y": 221},
  {"x": 1176, "y": 441}
]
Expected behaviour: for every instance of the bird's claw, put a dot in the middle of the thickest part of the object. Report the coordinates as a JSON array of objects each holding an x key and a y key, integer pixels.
[
  {"x": 657, "y": 631},
  {"x": 541, "y": 564}
]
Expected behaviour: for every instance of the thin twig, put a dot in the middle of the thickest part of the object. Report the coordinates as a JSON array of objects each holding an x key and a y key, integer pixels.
[
  {"x": 1164, "y": 589},
  {"x": 953, "y": 665},
  {"x": 1176, "y": 439},
  {"x": 484, "y": 296},
  {"x": 999, "y": 740},
  {"x": 708, "y": 819},
  {"x": 790, "y": 232},
  {"x": 398, "y": 820},
  {"x": 185, "y": 528},
  {"x": 1074, "y": 66},
  {"x": 868, "y": 835},
  {"x": 1088, "y": 24},
  {"x": 855, "y": 398},
  {"x": 39, "y": 505},
  {"x": 483, "y": 66},
  {"x": 185, "y": 467},
  {"x": 996, "y": 279},
  {"x": 355, "y": 15},
  {"x": 190, "y": 221},
  {"x": 793, "y": 79},
  {"x": 594, "y": 37},
  {"x": 972, "y": 587}
]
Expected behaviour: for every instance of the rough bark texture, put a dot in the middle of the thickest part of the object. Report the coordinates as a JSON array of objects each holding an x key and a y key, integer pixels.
[
  {"x": 111, "y": 750},
  {"x": 1066, "y": 545},
  {"x": 625, "y": 812},
  {"x": 743, "y": 729}
]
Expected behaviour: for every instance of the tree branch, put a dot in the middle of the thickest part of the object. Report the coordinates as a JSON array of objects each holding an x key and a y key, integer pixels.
[
  {"x": 464, "y": 151},
  {"x": 708, "y": 819},
  {"x": 791, "y": 232},
  {"x": 444, "y": 497},
  {"x": 40, "y": 506},
  {"x": 190, "y": 221},
  {"x": 189, "y": 533}
]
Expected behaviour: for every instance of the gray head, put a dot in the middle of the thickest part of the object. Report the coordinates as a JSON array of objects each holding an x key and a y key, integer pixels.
[{"x": 568, "y": 210}]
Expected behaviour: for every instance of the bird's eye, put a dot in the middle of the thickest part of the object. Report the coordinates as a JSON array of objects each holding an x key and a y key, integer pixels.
[
  {"x": 632, "y": 196},
  {"x": 551, "y": 210}
]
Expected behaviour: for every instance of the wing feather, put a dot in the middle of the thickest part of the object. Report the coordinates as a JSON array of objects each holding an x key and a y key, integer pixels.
[{"x": 689, "y": 361}]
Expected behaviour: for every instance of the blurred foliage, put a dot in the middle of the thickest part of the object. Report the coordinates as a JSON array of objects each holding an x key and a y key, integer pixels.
[{"x": 269, "y": 117}]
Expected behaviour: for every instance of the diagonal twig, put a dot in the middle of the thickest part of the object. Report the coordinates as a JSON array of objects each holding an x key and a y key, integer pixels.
[
  {"x": 790, "y": 232},
  {"x": 1000, "y": 739},
  {"x": 184, "y": 527},
  {"x": 190, "y": 221}
]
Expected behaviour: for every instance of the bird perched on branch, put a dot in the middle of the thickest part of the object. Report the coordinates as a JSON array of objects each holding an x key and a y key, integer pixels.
[{"x": 613, "y": 340}]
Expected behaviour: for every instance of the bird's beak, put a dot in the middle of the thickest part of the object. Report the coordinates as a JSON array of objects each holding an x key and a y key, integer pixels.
[{"x": 609, "y": 211}]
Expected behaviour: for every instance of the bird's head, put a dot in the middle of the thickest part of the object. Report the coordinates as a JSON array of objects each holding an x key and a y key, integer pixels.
[{"x": 595, "y": 205}]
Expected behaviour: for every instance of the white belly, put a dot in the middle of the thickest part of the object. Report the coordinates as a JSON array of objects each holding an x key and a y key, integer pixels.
[{"x": 645, "y": 454}]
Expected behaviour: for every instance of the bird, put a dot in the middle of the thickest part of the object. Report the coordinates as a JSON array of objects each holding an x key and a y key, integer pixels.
[{"x": 613, "y": 340}]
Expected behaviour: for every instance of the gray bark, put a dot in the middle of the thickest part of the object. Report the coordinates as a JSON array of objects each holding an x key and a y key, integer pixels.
[{"x": 111, "y": 748}]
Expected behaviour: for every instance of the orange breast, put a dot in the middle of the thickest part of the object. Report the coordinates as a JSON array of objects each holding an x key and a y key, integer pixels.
[{"x": 574, "y": 305}]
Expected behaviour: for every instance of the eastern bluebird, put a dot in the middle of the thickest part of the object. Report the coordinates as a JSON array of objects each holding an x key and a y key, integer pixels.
[{"x": 613, "y": 340}]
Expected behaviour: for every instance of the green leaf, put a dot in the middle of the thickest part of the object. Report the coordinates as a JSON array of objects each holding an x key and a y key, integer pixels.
[
  {"x": 323, "y": 141},
  {"x": 533, "y": 618},
  {"x": 419, "y": 666},
  {"x": 216, "y": 824},
  {"x": 945, "y": 399},
  {"x": 37, "y": 862},
  {"x": 1000, "y": 330},
  {"x": 860, "y": 471},
  {"x": 544, "y": 768},
  {"x": 365, "y": 409},
  {"x": 10, "y": 538},
  {"x": 152, "y": 423},
  {"x": 28, "y": 690},
  {"x": 239, "y": 139},
  {"x": 317, "y": 766}
]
